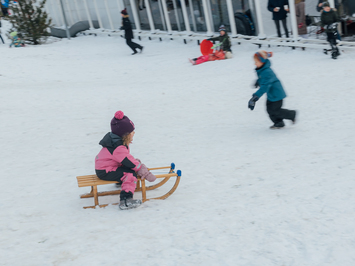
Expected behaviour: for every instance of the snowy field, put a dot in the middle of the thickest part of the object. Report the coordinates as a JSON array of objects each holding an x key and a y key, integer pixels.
[{"x": 248, "y": 195}]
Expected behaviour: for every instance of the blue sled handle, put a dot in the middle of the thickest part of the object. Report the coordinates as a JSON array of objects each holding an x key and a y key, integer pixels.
[
  {"x": 172, "y": 166},
  {"x": 178, "y": 172}
]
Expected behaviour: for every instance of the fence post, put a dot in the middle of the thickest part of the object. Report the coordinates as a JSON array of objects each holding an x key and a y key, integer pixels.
[{"x": 65, "y": 20}]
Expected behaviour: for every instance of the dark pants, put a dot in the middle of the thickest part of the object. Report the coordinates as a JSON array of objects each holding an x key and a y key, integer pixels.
[
  {"x": 5, "y": 10},
  {"x": 277, "y": 23},
  {"x": 277, "y": 114},
  {"x": 133, "y": 45},
  {"x": 2, "y": 39},
  {"x": 114, "y": 175},
  {"x": 331, "y": 38}
]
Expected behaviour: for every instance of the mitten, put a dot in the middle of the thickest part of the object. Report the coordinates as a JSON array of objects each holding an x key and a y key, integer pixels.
[
  {"x": 150, "y": 177},
  {"x": 252, "y": 102},
  {"x": 144, "y": 173}
]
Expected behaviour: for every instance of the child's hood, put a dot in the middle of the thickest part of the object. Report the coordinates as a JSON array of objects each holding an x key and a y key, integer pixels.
[
  {"x": 111, "y": 141},
  {"x": 266, "y": 65}
]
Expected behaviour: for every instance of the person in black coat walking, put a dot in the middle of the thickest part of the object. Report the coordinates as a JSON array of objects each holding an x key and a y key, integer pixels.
[
  {"x": 279, "y": 9},
  {"x": 127, "y": 27}
]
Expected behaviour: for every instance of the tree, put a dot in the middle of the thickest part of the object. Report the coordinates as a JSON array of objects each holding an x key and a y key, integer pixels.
[{"x": 30, "y": 20}]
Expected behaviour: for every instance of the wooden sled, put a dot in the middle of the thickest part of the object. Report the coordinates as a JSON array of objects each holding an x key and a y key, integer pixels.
[{"x": 93, "y": 181}]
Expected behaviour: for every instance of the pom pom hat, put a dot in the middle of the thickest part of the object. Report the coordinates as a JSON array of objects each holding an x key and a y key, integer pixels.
[
  {"x": 262, "y": 56},
  {"x": 325, "y": 4},
  {"x": 121, "y": 125},
  {"x": 124, "y": 12},
  {"x": 222, "y": 28}
]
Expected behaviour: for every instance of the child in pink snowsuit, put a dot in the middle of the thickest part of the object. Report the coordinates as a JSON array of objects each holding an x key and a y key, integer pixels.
[{"x": 115, "y": 163}]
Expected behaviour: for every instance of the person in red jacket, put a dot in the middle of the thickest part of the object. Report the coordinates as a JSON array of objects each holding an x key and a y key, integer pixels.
[{"x": 115, "y": 163}]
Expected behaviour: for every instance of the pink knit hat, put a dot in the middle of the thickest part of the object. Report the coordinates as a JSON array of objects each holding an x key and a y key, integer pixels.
[{"x": 121, "y": 125}]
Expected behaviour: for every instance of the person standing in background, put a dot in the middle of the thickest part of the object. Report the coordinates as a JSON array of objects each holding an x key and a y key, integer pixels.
[
  {"x": 128, "y": 32},
  {"x": 301, "y": 18},
  {"x": 4, "y": 4},
  {"x": 279, "y": 9},
  {"x": 0, "y": 29}
]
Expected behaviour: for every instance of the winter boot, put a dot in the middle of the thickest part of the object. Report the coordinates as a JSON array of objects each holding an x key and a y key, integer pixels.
[
  {"x": 334, "y": 54},
  {"x": 294, "y": 118},
  {"x": 127, "y": 202},
  {"x": 278, "y": 125},
  {"x": 130, "y": 203}
]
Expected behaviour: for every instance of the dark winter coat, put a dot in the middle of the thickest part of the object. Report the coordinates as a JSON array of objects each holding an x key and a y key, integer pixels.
[
  {"x": 127, "y": 27},
  {"x": 282, "y": 13},
  {"x": 269, "y": 83},
  {"x": 225, "y": 40},
  {"x": 328, "y": 18}
]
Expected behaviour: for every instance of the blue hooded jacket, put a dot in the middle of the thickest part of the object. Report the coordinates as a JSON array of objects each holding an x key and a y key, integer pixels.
[{"x": 269, "y": 83}]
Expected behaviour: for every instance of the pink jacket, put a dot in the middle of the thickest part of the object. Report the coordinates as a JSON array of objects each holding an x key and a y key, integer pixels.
[{"x": 114, "y": 154}]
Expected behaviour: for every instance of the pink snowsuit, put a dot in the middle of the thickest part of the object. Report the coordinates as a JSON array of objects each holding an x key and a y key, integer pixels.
[
  {"x": 218, "y": 55},
  {"x": 115, "y": 157}
]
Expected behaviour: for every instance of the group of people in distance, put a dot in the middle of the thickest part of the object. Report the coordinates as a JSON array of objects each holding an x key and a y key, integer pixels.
[{"x": 329, "y": 20}]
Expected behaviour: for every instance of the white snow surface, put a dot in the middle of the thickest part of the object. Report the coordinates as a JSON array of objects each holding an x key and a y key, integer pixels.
[{"x": 248, "y": 195}]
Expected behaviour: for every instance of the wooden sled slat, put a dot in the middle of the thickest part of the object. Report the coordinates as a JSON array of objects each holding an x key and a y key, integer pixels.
[{"x": 93, "y": 181}]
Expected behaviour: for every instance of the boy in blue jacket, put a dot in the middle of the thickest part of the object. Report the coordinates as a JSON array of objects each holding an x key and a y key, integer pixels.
[{"x": 270, "y": 85}]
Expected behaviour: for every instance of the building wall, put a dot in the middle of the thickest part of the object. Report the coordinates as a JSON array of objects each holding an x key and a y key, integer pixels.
[{"x": 75, "y": 11}]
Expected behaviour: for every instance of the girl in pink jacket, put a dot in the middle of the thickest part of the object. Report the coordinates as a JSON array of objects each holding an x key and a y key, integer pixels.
[{"x": 115, "y": 163}]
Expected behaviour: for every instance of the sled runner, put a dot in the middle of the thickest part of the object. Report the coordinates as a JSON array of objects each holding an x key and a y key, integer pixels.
[{"x": 93, "y": 181}]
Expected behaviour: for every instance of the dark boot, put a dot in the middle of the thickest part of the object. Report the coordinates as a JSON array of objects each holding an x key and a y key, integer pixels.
[
  {"x": 278, "y": 125},
  {"x": 294, "y": 117},
  {"x": 127, "y": 202}
]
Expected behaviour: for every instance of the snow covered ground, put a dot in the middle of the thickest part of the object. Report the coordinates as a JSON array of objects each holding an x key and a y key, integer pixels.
[{"x": 248, "y": 195}]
